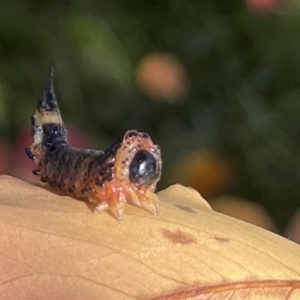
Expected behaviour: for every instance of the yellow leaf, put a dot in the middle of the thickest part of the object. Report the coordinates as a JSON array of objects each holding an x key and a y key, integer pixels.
[{"x": 54, "y": 247}]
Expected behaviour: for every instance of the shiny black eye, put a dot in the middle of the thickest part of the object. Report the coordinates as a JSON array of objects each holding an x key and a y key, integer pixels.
[{"x": 143, "y": 168}]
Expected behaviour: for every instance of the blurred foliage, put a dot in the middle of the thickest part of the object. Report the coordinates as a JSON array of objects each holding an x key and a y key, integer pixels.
[{"x": 243, "y": 70}]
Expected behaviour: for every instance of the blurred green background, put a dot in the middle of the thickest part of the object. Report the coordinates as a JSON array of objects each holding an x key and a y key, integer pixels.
[{"x": 215, "y": 83}]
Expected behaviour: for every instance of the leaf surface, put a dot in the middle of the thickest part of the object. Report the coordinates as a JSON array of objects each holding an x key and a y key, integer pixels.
[{"x": 54, "y": 247}]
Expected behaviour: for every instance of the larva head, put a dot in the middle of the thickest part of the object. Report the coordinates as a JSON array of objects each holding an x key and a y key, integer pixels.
[
  {"x": 130, "y": 170},
  {"x": 138, "y": 160}
]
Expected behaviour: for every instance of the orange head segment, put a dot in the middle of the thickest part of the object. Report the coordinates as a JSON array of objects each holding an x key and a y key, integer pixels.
[
  {"x": 136, "y": 168},
  {"x": 138, "y": 161}
]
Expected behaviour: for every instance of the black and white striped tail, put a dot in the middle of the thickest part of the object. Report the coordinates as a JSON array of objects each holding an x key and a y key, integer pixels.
[{"x": 47, "y": 117}]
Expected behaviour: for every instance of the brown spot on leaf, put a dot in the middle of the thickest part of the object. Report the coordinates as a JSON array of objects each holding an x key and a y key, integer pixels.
[
  {"x": 221, "y": 239},
  {"x": 178, "y": 237},
  {"x": 185, "y": 208}
]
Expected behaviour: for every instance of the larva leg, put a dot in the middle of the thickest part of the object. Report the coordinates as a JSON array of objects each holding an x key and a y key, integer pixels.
[
  {"x": 29, "y": 153},
  {"x": 92, "y": 200},
  {"x": 115, "y": 204},
  {"x": 117, "y": 209},
  {"x": 150, "y": 203},
  {"x": 44, "y": 183},
  {"x": 102, "y": 206},
  {"x": 134, "y": 199}
]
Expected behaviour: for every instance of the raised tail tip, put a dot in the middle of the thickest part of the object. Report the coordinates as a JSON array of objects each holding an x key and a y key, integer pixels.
[
  {"x": 50, "y": 76},
  {"x": 47, "y": 101}
]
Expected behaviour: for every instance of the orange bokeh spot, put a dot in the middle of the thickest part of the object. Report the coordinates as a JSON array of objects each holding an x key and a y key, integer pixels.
[
  {"x": 262, "y": 5},
  {"x": 162, "y": 77},
  {"x": 244, "y": 210},
  {"x": 205, "y": 172}
]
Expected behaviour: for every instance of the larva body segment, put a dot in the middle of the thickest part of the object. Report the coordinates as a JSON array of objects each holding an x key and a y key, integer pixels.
[{"x": 127, "y": 171}]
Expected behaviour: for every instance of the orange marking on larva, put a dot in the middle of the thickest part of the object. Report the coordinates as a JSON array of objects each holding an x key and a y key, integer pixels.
[{"x": 179, "y": 237}]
